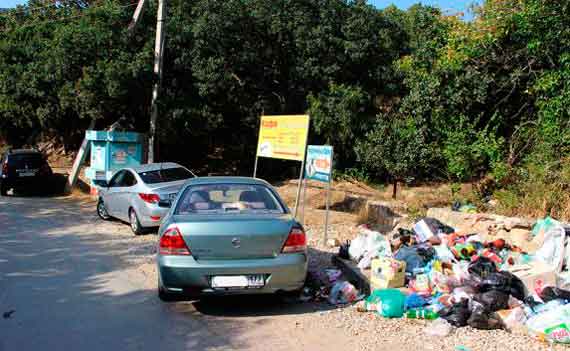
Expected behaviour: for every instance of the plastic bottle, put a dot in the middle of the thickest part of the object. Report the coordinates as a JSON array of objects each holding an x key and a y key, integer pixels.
[{"x": 421, "y": 313}]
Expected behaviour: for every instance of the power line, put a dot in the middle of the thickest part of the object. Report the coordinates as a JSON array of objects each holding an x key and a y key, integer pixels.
[{"x": 65, "y": 18}]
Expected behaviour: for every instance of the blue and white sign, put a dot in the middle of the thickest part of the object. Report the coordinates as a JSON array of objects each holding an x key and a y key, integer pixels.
[{"x": 319, "y": 163}]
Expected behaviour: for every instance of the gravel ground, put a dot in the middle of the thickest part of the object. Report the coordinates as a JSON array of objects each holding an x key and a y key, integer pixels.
[
  {"x": 372, "y": 332},
  {"x": 367, "y": 331}
]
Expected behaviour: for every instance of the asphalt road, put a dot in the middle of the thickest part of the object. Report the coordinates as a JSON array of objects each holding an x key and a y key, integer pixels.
[{"x": 69, "y": 281}]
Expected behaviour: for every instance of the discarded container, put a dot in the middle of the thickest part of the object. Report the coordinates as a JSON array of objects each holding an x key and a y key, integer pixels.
[
  {"x": 390, "y": 302},
  {"x": 366, "y": 306},
  {"x": 387, "y": 273},
  {"x": 421, "y": 313},
  {"x": 553, "y": 325}
]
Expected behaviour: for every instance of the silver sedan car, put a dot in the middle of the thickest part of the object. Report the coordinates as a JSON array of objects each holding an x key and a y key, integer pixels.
[{"x": 142, "y": 195}]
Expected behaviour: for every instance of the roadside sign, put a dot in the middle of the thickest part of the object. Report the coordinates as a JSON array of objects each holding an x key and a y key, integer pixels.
[
  {"x": 318, "y": 166},
  {"x": 319, "y": 163},
  {"x": 283, "y": 137}
]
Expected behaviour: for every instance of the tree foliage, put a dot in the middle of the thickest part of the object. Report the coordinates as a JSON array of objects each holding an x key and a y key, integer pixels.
[{"x": 400, "y": 94}]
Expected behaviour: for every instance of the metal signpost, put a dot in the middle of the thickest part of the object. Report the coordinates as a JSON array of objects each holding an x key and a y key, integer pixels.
[
  {"x": 283, "y": 137},
  {"x": 319, "y": 167}
]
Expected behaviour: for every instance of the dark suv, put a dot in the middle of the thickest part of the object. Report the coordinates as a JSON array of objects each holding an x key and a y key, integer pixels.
[{"x": 23, "y": 168}]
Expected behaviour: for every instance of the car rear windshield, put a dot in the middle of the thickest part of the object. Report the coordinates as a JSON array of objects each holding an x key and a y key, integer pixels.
[
  {"x": 228, "y": 199},
  {"x": 165, "y": 175},
  {"x": 32, "y": 160}
]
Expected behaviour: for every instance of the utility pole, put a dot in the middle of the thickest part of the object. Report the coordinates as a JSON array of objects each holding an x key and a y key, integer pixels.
[{"x": 158, "y": 58}]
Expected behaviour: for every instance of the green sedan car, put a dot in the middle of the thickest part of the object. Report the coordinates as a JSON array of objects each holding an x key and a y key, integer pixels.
[{"x": 229, "y": 235}]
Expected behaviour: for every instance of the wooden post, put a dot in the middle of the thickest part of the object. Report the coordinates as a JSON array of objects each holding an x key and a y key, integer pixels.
[
  {"x": 79, "y": 159},
  {"x": 158, "y": 58}
]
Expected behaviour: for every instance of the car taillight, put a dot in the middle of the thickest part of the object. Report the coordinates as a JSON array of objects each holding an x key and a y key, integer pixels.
[
  {"x": 296, "y": 241},
  {"x": 150, "y": 198},
  {"x": 172, "y": 243}
]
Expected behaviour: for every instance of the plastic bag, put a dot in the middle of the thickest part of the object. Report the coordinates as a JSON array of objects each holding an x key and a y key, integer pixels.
[
  {"x": 482, "y": 267},
  {"x": 482, "y": 319},
  {"x": 457, "y": 314},
  {"x": 493, "y": 300},
  {"x": 505, "y": 282},
  {"x": 552, "y": 250},
  {"x": 370, "y": 245},
  {"x": 390, "y": 302},
  {"x": 357, "y": 248},
  {"x": 342, "y": 293},
  {"x": 410, "y": 255},
  {"x": 543, "y": 225},
  {"x": 553, "y": 325},
  {"x": 550, "y": 293},
  {"x": 414, "y": 301},
  {"x": 440, "y": 328}
]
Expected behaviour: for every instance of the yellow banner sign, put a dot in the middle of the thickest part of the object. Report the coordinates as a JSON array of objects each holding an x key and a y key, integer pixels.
[{"x": 283, "y": 137}]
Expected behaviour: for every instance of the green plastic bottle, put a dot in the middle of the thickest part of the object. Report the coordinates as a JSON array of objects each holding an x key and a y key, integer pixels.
[{"x": 421, "y": 313}]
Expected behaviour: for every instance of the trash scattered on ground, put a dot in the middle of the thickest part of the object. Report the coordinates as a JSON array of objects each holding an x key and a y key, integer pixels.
[
  {"x": 453, "y": 279},
  {"x": 7, "y": 315}
]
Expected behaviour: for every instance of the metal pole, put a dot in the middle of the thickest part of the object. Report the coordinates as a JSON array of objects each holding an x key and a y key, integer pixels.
[
  {"x": 299, "y": 187},
  {"x": 304, "y": 201},
  {"x": 255, "y": 167},
  {"x": 302, "y": 170},
  {"x": 327, "y": 213},
  {"x": 158, "y": 58}
]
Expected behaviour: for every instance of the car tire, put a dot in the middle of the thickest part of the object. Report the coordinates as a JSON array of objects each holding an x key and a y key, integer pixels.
[
  {"x": 3, "y": 189},
  {"x": 102, "y": 211},
  {"x": 136, "y": 226}
]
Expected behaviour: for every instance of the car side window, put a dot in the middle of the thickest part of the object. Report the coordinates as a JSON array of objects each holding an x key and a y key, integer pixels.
[
  {"x": 117, "y": 180},
  {"x": 129, "y": 179}
]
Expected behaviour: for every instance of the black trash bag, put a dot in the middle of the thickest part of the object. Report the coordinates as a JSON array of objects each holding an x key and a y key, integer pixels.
[
  {"x": 505, "y": 282},
  {"x": 436, "y": 226},
  {"x": 427, "y": 253},
  {"x": 553, "y": 293},
  {"x": 493, "y": 300},
  {"x": 482, "y": 319},
  {"x": 409, "y": 254},
  {"x": 530, "y": 300},
  {"x": 518, "y": 289},
  {"x": 482, "y": 268},
  {"x": 457, "y": 314},
  {"x": 343, "y": 251}
]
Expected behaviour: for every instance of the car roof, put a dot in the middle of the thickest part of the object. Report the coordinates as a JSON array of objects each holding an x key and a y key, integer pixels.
[
  {"x": 226, "y": 180},
  {"x": 155, "y": 166},
  {"x": 24, "y": 151}
]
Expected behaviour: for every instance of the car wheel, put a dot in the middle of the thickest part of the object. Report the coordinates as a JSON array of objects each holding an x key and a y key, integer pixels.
[
  {"x": 102, "y": 211},
  {"x": 135, "y": 224}
]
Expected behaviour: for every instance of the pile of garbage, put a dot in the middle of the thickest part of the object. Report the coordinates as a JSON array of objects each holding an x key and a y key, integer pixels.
[{"x": 457, "y": 279}]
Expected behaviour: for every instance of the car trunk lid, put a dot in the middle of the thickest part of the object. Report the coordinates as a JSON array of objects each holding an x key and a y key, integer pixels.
[
  {"x": 167, "y": 191},
  {"x": 239, "y": 236}
]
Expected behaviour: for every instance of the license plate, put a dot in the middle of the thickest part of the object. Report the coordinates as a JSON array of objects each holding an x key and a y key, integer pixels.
[
  {"x": 26, "y": 174},
  {"x": 235, "y": 281}
]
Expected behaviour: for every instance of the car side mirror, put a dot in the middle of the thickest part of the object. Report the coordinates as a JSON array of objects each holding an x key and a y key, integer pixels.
[{"x": 165, "y": 203}]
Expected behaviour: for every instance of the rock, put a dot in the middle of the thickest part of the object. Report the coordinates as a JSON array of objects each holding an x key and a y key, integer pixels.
[{"x": 333, "y": 242}]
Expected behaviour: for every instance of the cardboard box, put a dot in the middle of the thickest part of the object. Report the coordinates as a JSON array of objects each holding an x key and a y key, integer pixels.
[
  {"x": 387, "y": 273},
  {"x": 535, "y": 275}
]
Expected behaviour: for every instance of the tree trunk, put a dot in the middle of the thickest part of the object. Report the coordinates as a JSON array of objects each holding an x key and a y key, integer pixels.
[{"x": 395, "y": 189}]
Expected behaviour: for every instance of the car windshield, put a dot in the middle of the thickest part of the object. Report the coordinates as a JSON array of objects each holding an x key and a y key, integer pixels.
[
  {"x": 229, "y": 199},
  {"x": 165, "y": 175}
]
